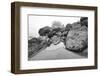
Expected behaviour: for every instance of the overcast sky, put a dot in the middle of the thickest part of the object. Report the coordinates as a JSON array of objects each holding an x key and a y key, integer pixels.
[{"x": 37, "y": 22}]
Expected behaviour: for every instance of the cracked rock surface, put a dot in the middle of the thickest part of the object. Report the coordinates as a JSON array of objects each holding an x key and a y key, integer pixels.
[{"x": 77, "y": 39}]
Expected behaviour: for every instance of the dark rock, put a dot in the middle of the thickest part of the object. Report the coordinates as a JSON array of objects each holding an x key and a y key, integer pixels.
[
  {"x": 68, "y": 27},
  {"x": 45, "y": 31},
  {"x": 84, "y": 21}
]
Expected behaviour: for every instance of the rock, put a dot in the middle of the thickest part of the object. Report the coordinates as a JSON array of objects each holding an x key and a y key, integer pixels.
[
  {"x": 84, "y": 21},
  {"x": 77, "y": 39},
  {"x": 68, "y": 27},
  {"x": 44, "y": 31},
  {"x": 57, "y": 24},
  {"x": 76, "y": 25},
  {"x": 55, "y": 40}
]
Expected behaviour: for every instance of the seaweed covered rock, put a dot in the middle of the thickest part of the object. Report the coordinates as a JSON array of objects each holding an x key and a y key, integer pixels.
[{"x": 77, "y": 39}]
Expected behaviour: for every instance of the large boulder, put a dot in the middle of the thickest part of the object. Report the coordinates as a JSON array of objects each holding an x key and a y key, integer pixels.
[
  {"x": 44, "y": 31},
  {"x": 77, "y": 39}
]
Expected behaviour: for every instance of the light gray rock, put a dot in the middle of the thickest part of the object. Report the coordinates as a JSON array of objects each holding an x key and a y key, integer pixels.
[{"x": 77, "y": 39}]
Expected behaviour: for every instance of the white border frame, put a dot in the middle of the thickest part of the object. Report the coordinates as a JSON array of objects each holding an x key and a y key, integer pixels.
[{"x": 25, "y": 64}]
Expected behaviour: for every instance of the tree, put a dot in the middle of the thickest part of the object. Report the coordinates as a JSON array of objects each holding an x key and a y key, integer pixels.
[{"x": 57, "y": 24}]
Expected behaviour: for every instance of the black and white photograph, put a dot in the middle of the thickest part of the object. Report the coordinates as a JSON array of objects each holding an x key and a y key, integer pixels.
[{"x": 52, "y": 37}]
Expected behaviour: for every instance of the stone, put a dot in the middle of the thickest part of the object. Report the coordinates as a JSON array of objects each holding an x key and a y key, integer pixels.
[
  {"x": 77, "y": 39},
  {"x": 55, "y": 40}
]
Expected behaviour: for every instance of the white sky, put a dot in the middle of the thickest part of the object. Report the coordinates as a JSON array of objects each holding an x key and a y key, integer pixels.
[{"x": 37, "y": 22}]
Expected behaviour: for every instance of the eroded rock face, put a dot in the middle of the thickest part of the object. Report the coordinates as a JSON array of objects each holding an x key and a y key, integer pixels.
[{"x": 77, "y": 39}]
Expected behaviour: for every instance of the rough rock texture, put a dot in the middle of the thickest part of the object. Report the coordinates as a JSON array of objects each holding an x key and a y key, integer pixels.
[
  {"x": 77, "y": 39},
  {"x": 55, "y": 40},
  {"x": 44, "y": 31}
]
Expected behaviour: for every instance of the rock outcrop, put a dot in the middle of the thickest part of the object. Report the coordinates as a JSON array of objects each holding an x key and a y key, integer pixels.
[{"x": 77, "y": 39}]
